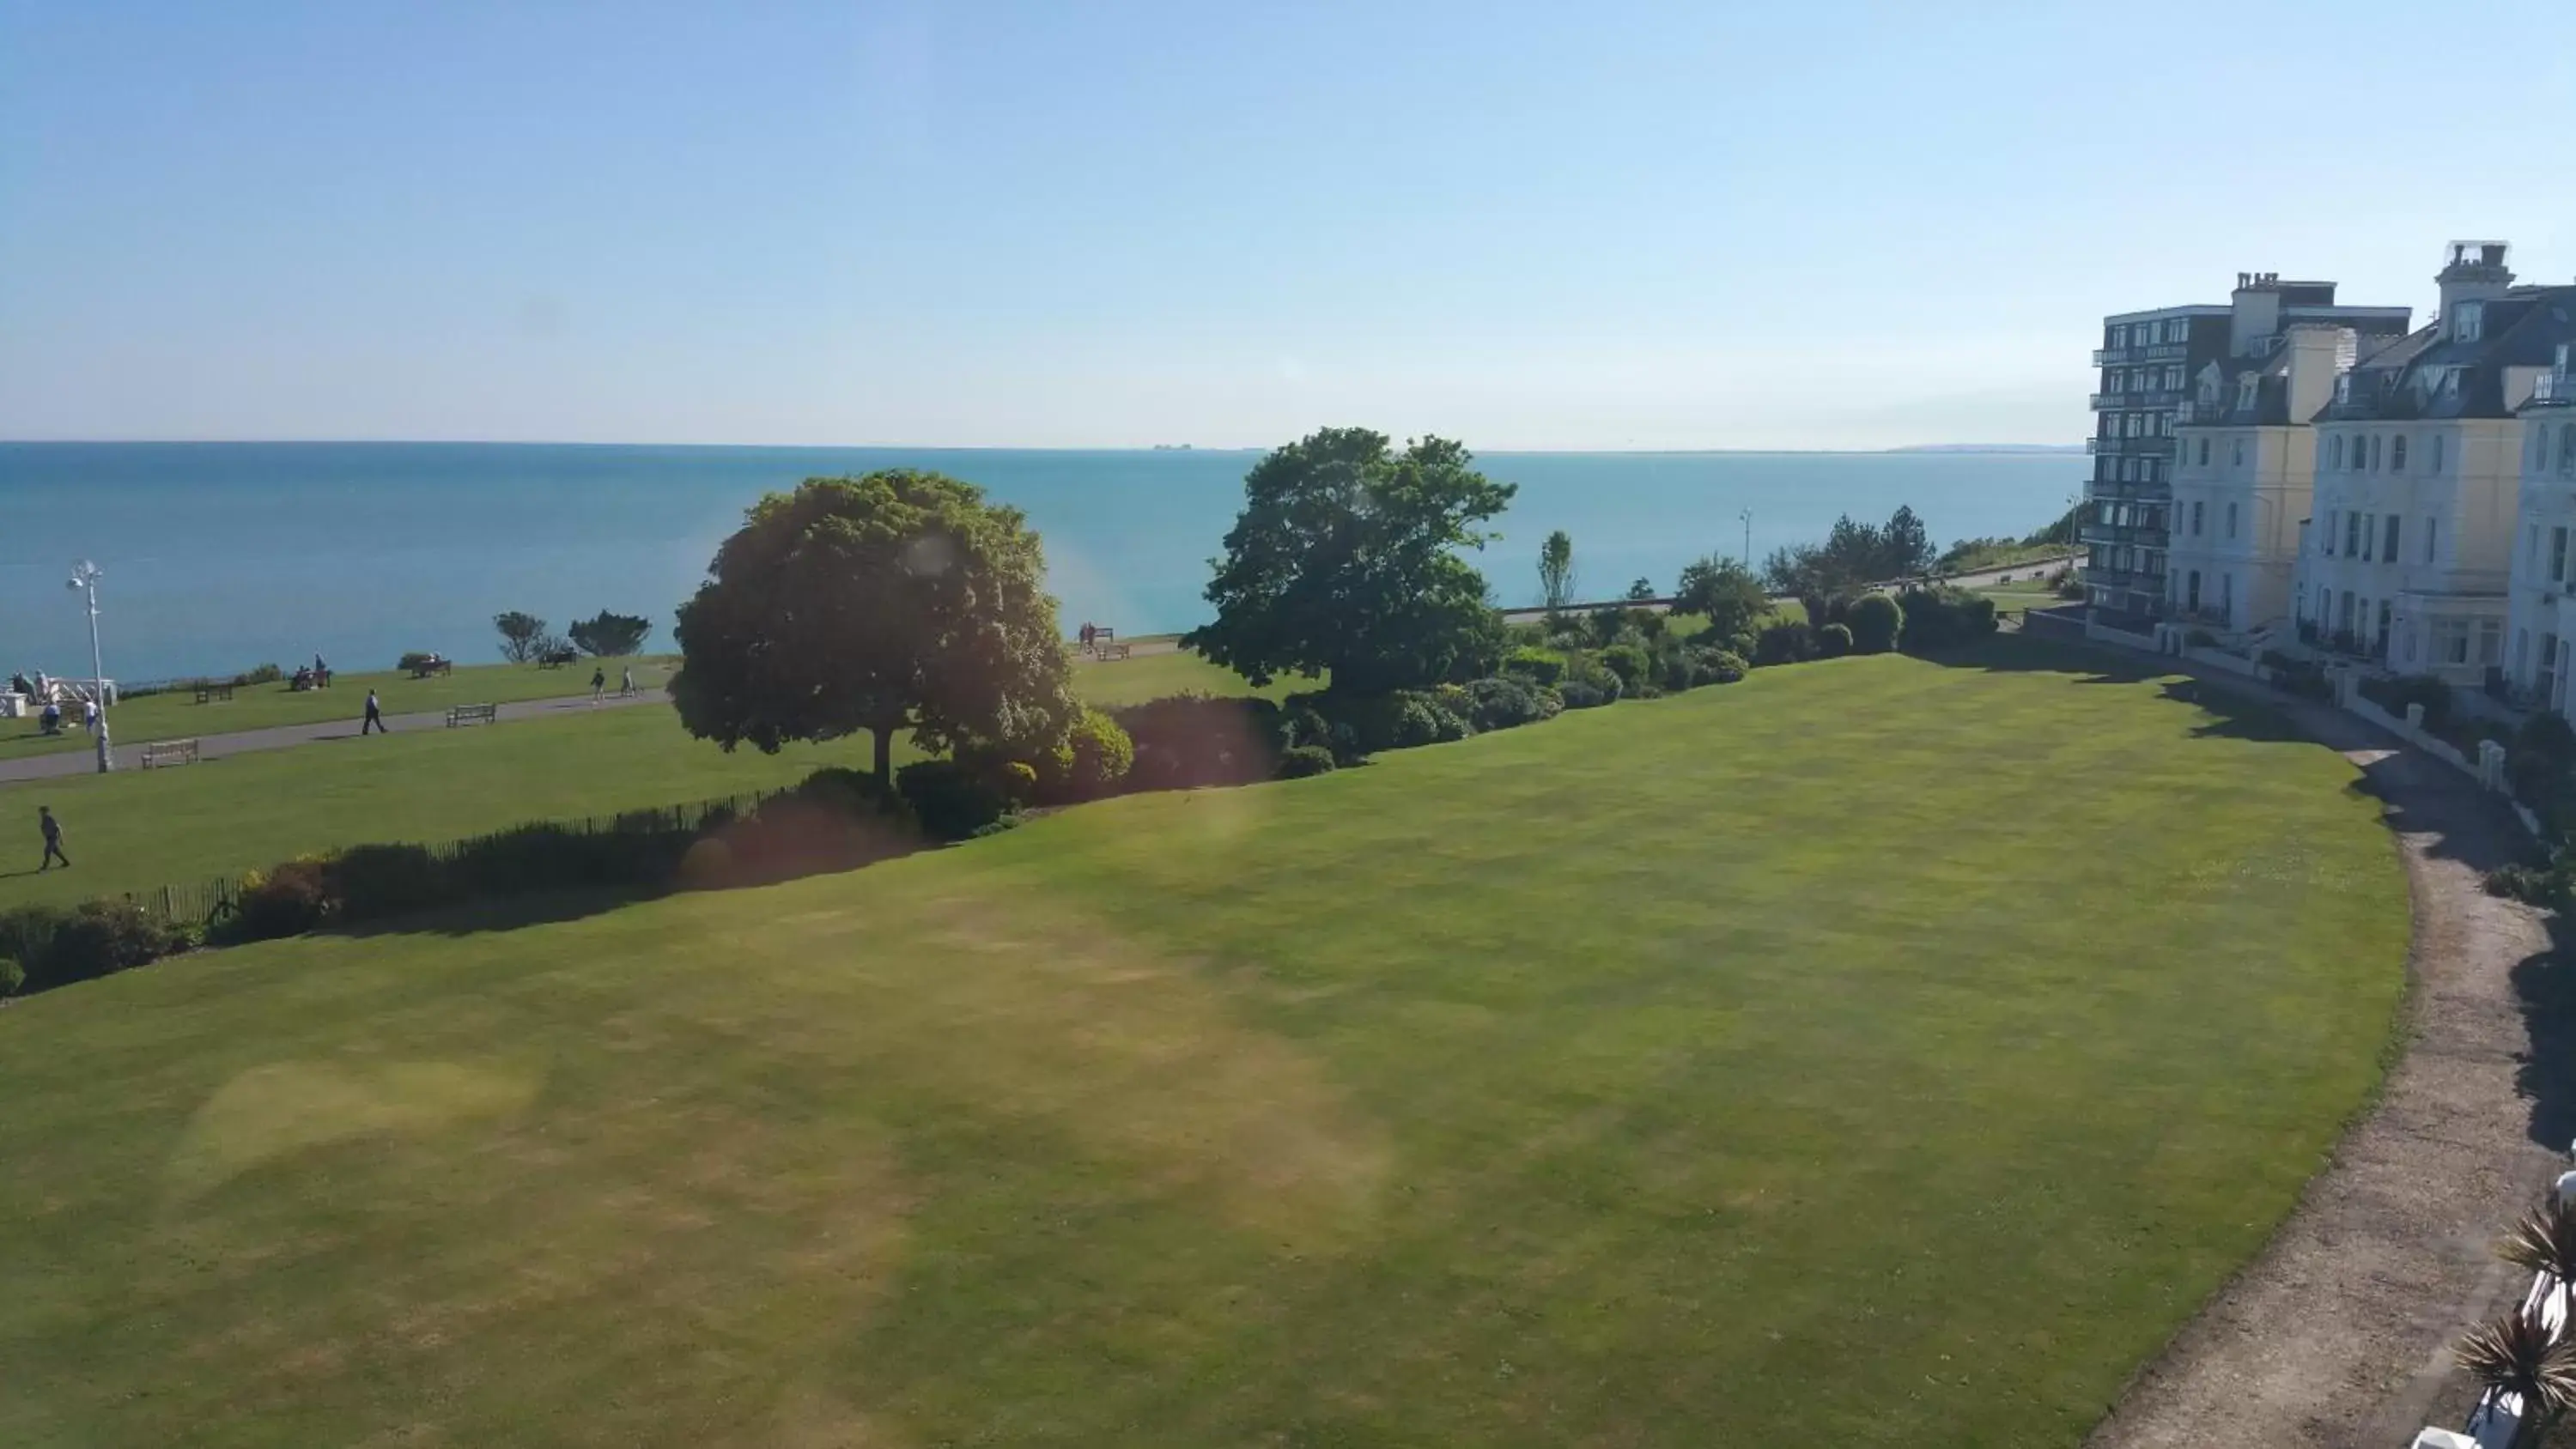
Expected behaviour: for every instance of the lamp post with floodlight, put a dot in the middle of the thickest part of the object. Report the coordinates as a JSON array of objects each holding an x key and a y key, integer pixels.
[{"x": 84, "y": 581}]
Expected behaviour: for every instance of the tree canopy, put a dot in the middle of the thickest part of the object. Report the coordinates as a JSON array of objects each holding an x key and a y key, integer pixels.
[
  {"x": 1725, "y": 592},
  {"x": 611, "y": 634},
  {"x": 901, "y": 600},
  {"x": 523, "y": 636},
  {"x": 1344, "y": 560},
  {"x": 1853, "y": 558}
]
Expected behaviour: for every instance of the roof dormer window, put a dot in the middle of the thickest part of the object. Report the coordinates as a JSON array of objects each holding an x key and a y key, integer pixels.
[{"x": 2471, "y": 323}]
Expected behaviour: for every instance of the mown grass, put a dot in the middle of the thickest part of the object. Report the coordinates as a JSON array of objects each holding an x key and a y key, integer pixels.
[
  {"x": 136, "y": 831},
  {"x": 1778, "y": 1063},
  {"x": 177, "y": 715}
]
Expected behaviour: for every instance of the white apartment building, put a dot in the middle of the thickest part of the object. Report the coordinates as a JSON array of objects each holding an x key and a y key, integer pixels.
[
  {"x": 2543, "y": 617},
  {"x": 2418, "y": 461},
  {"x": 2244, "y": 462}
]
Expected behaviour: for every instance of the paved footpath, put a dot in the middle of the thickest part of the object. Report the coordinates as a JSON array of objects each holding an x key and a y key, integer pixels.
[
  {"x": 279, "y": 737},
  {"x": 2339, "y": 1333}
]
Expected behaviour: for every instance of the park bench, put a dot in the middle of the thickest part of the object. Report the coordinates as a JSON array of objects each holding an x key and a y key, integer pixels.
[
  {"x": 1110, "y": 649},
  {"x": 467, "y": 714},
  {"x": 169, "y": 752},
  {"x": 208, "y": 693}
]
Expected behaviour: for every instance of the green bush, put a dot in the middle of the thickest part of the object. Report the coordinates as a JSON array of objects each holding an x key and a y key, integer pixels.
[
  {"x": 57, "y": 947},
  {"x": 1504, "y": 703},
  {"x": 286, "y": 900},
  {"x": 1628, "y": 661},
  {"x": 1538, "y": 666},
  {"x": 1102, "y": 754},
  {"x": 2546, "y": 736},
  {"x": 376, "y": 882},
  {"x": 12, "y": 976},
  {"x": 1943, "y": 618},
  {"x": 1716, "y": 666},
  {"x": 2534, "y": 885},
  {"x": 1833, "y": 641},
  {"x": 1187, "y": 740},
  {"x": 1298, "y": 762},
  {"x": 1876, "y": 622},
  {"x": 952, "y": 801},
  {"x": 1402, "y": 720},
  {"x": 264, "y": 674},
  {"x": 1576, "y": 694},
  {"x": 1787, "y": 642}
]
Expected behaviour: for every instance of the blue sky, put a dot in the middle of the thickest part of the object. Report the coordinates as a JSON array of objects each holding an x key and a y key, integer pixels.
[{"x": 1604, "y": 225}]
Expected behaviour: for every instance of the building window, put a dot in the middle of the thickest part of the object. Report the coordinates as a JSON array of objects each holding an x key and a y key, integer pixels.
[
  {"x": 2375, "y": 451},
  {"x": 2191, "y": 592},
  {"x": 2325, "y": 540},
  {"x": 2369, "y": 535},
  {"x": 2240, "y": 452},
  {"x": 2204, "y": 452},
  {"x": 2472, "y": 322},
  {"x": 2334, "y": 451},
  {"x": 2490, "y": 641},
  {"x": 2119, "y": 337},
  {"x": 2567, "y": 449},
  {"x": 2558, "y": 555},
  {"x": 2388, "y": 545},
  {"x": 2351, "y": 535},
  {"x": 2435, "y": 465},
  {"x": 2380, "y": 640},
  {"x": 2231, "y": 520},
  {"x": 2195, "y": 518},
  {"x": 2431, "y": 527},
  {"x": 2397, "y": 454}
]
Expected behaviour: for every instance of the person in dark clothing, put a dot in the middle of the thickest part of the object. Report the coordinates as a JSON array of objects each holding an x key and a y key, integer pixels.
[
  {"x": 53, "y": 839},
  {"x": 598, "y": 683},
  {"x": 375, "y": 717}
]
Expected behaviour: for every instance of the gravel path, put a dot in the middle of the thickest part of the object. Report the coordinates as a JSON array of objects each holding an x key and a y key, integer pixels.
[
  {"x": 2339, "y": 1333},
  {"x": 279, "y": 737}
]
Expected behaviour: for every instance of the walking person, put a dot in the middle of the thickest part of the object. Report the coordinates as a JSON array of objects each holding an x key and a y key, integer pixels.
[
  {"x": 53, "y": 829},
  {"x": 598, "y": 683},
  {"x": 375, "y": 717},
  {"x": 626, "y": 683}
]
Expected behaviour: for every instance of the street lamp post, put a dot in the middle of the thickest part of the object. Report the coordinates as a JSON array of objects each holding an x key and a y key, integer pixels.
[{"x": 84, "y": 581}]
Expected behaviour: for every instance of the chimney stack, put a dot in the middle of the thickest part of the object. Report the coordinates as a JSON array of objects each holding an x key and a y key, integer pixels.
[{"x": 2472, "y": 271}]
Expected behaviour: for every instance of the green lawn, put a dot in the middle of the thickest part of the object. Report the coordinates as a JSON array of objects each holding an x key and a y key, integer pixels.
[
  {"x": 134, "y": 831},
  {"x": 2020, "y": 597},
  {"x": 178, "y": 715},
  {"x": 1779, "y": 1063}
]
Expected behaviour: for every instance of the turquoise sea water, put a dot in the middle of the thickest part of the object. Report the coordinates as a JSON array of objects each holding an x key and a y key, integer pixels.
[{"x": 219, "y": 556}]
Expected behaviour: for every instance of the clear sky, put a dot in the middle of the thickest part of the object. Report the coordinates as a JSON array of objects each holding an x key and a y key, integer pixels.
[{"x": 1690, "y": 224}]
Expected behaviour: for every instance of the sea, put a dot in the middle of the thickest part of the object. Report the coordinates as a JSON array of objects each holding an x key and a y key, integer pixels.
[{"x": 215, "y": 557}]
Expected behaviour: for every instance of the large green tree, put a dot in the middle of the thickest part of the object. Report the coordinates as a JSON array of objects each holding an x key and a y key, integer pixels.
[
  {"x": 1345, "y": 560},
  {"x": 1725, "y": 592},
  {"x": 901, "y": 600}
]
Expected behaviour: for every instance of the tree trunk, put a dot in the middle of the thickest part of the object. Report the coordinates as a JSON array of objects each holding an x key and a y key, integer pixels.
[{"x": 885, "y": 755}]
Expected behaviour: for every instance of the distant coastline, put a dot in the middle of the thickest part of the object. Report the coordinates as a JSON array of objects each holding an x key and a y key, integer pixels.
[{"x": 1990, "y": 448}]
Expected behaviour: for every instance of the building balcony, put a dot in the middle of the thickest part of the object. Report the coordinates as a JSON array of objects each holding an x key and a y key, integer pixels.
[
  {"x": 2135, "y": 401},
  {"x": 2153, "y": 352},
  {"x": 2131, "y": 447},
  {"x": 2144, "y": 535},
  {"x": 2129, "y": 489},
  {"x": 2191, "y": 412},
  {"x": 2555, "y": 390}
]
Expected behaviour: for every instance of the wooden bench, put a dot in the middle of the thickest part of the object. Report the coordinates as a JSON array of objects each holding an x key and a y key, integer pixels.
[
  {"x": 207, "y": 693},
  {"x": 169, "y": 752},
  {"x": 468, "y": 714},
  {"x": 1110, "y": 649}
]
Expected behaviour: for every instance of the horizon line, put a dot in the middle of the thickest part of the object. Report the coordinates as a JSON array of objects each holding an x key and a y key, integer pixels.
[{"x": 2075, "y": 447}]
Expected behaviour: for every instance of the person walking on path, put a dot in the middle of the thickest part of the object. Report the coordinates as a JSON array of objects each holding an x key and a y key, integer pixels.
[
  {"x": 53, "y": 830},
  {"x": 598, "y": 683},
  {"x": 375, "y": 719},
  {"x": 626, "y": 683}
]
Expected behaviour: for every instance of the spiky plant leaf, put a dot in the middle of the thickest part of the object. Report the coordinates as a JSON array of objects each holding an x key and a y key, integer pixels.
[
  {"x": 2515, "y": 1353},
  {"x": 2544, "y": 1241}
]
